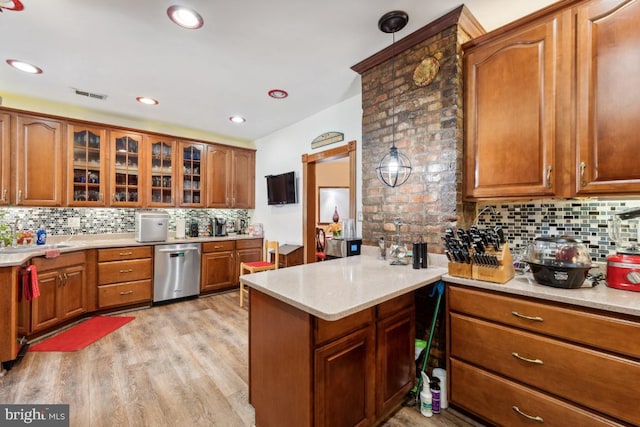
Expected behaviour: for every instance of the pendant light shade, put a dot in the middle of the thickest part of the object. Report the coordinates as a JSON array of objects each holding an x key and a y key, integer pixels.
[{"x": 394, "y": 168}]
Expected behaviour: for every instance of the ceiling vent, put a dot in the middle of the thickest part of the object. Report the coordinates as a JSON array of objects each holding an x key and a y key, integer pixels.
[{"x": 90, "y": 94}]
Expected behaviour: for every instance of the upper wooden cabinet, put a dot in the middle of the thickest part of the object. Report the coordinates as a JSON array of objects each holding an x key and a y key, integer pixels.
[
  {"x": 127, "y": 179},
  {"x": 231, "y": 177},
  {"x": 39, "y": 167},
  {"x": 87, "y": 177},
  {"x": 5, "y": 156},
  {"x": 551, "y": 104},
  {"x": 608, "y": 97},
  {"x": 191, "y": 173},
  {"x": 161, "y": 171}
]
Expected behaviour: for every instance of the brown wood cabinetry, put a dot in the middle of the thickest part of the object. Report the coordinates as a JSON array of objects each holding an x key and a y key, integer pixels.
[
  {"x": 87, "y": 177},
  {"x": 536, "y": 360},
  {"x": 290, "y": 255},
  {"x": 191, "y": 174},
  {"x": 551, "y": 104},
  {"x": 247, "y": 250},
  {"x": 40, "y": 161},
  {"x": 126, "y": 175},
  {"x": 5, "y": 156},
  {"x": 232, "y": 177},
  {"x": 160, "y": 171},
  {"x": 352, "y": 371},
  {"x": 218, "y": 267},
  {"x": 125, "y": 276},
  {"x": 62, "y": 282},
  {"x": 608, "y": 97},
  {"x": 9, "y": 277}
]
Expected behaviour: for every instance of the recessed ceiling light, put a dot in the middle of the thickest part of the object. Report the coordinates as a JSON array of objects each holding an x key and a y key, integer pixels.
[
  {"x": 24, "y": 66},
  {"x": 185, "y": 17},
  {"x": 146, "y": 100},
  {"x": 237, "y": 119},
  {"x": 278, "y": 93}
]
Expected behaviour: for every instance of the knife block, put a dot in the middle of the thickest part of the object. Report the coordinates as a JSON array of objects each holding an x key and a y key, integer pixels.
[{"x": 501, "y": 273}]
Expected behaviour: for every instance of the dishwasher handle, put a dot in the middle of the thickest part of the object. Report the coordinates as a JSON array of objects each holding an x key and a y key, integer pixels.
[{"x": 178, "y": 250}]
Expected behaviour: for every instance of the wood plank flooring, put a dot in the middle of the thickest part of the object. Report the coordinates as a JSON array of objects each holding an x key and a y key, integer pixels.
[{"x": 181, "y": 364}]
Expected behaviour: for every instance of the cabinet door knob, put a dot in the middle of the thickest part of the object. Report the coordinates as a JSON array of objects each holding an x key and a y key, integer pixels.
[
  {"x": 129, "y": 270},
  {"x": 548, "y": 177},
  {"x": 125, "y": 253},
  {"x": 126, "y": 292},
  {"x": 530, "y": 417},
  {"x": 583, "y": 167}
]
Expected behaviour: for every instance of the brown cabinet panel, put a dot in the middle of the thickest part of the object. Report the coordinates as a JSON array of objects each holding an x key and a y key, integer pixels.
[
  {"x": 39, "y": 161},
  {"x": 88, "y": 157},
  {"x": 125, "y": 271},
  {"x": 326, "y": 330},
  {"x": 9, "y": 313},
  {"x": 73, "y": 300},
  {"x": 120, "y": 254},
  {"x": 231, "y": 180},
  {"x": 218, "y": 271},
  {"x": 243, "y": 184},
  {"x": 124, "y": 293},
  {"x": 506, "y": 403},
  {"x": 44, "y": 312},
  {"x": 219, "y": 169},
  {"x": 344, "y": 387},
  {"x": 218, "y": 246},
  {"x": 5, "y": 156},
  {"x": 608, "y": 78}
]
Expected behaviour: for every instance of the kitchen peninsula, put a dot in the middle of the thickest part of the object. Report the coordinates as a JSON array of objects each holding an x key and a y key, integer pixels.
[{"x": 332, "y": 343}]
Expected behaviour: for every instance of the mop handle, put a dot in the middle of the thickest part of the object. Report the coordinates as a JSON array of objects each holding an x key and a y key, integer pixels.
[{"x": 439, "y": 287}]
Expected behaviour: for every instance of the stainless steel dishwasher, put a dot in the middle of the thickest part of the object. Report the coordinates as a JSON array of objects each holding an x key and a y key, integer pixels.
[{"x": 176, "y": 271}]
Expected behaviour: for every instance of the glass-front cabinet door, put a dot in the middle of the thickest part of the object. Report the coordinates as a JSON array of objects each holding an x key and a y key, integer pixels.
[
  {"x": 161, "y": 172},
  {"x": 126, "y": 178},
  {"x": 191, "y": 176},
  {"x": 87, "y": 177}
]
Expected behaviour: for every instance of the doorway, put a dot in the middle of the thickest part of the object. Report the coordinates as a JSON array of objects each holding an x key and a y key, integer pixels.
[{"x": 310, "y": 204}]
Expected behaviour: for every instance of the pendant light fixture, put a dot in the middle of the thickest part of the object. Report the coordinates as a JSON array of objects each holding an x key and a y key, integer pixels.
[{"x": 394, "y": 168}]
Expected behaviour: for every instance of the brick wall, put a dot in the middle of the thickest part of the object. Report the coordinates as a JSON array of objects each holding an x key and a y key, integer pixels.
[{"x": 428, "y": 130}]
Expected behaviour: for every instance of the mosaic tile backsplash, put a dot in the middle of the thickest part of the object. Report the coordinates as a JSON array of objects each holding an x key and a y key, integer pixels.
[
  {"x": 584, "y": 219},
  {"x": 105, "y": 220}
]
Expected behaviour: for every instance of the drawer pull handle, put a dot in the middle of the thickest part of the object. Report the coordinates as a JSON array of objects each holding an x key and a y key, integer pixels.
[
  {"x": 536, "y": 418},
  {"x": 536, "y": 361},
  {"x": 126, "y": 292},
  {"x": 125, "y": 253},
  {"x": 522, "y": 316},
  {"x": 129, "y": 270}
]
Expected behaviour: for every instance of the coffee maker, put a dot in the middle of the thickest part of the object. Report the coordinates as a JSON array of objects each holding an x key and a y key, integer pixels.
[{"x": 221, "y": 227}]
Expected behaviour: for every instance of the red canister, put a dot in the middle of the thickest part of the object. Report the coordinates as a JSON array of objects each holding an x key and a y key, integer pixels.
[{"x": 623, "y": 272}]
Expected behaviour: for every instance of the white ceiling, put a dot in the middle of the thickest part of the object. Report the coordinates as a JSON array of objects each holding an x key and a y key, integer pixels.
[{"x": 129, "y": 48}]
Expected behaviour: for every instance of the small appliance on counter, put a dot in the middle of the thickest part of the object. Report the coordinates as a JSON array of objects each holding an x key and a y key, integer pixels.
[
  {"x": 151, "y": 226},
  {"x": 194, "y": 229},
  {"x": 559, "y": 262},
  {"x": 340, "y": 248},
  {"x": 220, "y": 227},
  {"x": 623, "y": 268}
]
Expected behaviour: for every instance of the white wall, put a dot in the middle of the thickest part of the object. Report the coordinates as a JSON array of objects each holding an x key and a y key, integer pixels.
[{"x": 282, "y": 152}]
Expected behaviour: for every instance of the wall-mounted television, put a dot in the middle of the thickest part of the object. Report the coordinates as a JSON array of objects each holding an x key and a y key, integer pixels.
[{"x": 281, "y": 189}]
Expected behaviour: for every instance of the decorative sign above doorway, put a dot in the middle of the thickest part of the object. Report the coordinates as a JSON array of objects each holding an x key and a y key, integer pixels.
[{"x": 327, "y": 138}]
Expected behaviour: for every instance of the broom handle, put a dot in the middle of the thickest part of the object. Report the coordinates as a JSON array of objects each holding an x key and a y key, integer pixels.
[{"x": 439, "y": 287}]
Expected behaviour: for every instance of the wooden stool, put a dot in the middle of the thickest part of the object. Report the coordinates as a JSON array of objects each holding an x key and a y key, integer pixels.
[{"x": 264, "y": 265}]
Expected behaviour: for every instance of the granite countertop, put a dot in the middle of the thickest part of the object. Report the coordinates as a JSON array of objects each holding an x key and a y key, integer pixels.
[
  {"x": 101, "y": 241},
  {"x": 336, "y": 288}
]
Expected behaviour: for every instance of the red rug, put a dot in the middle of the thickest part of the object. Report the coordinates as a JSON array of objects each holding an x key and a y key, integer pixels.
[{"x": 83, "y": 334}]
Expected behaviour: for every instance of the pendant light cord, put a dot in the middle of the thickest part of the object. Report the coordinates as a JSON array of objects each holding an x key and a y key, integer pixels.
[{"x": 393, "y": 89}]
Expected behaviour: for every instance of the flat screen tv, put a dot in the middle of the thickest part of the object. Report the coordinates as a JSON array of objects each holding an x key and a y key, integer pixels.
[{"x": 281, "y": 189}]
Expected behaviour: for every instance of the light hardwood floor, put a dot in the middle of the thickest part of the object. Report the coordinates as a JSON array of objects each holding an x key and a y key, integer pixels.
[{"x": 181, "y": 364}]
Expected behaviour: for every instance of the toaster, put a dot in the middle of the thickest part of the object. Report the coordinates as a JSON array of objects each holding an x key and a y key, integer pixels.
[{"x": 151, "y": 226}]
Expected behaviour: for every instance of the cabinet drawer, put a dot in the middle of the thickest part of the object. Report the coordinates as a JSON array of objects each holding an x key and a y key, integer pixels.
[
  {"x": 494, "y": 398},
  {"x": 124, "y": 271},
  {"x": 326, "y": 330},
  {"x": 390, "y": 307},
  {"x": 606, "y": 332},
  {"x": 124, "y": 293},
  {"x": 118, "y": 254},
  {"x": 248, "y": 243},
  {"x": 227, "y": 245},
  {"x": 588, "y": 377},
  {"x": 64, "y": 260}
]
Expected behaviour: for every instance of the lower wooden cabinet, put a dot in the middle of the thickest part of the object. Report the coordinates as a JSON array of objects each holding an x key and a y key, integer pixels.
[
  {"x": 62, "y": 282},
  {"x": 218, "y": 266},
  {"x": 513, "y": 360},
  {"x": 125, "y": 276},
  {"x": 306, "y": 371}
]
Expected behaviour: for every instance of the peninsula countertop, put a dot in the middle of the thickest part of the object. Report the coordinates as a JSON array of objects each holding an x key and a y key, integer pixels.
[{"x": 337, "y": 288}]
